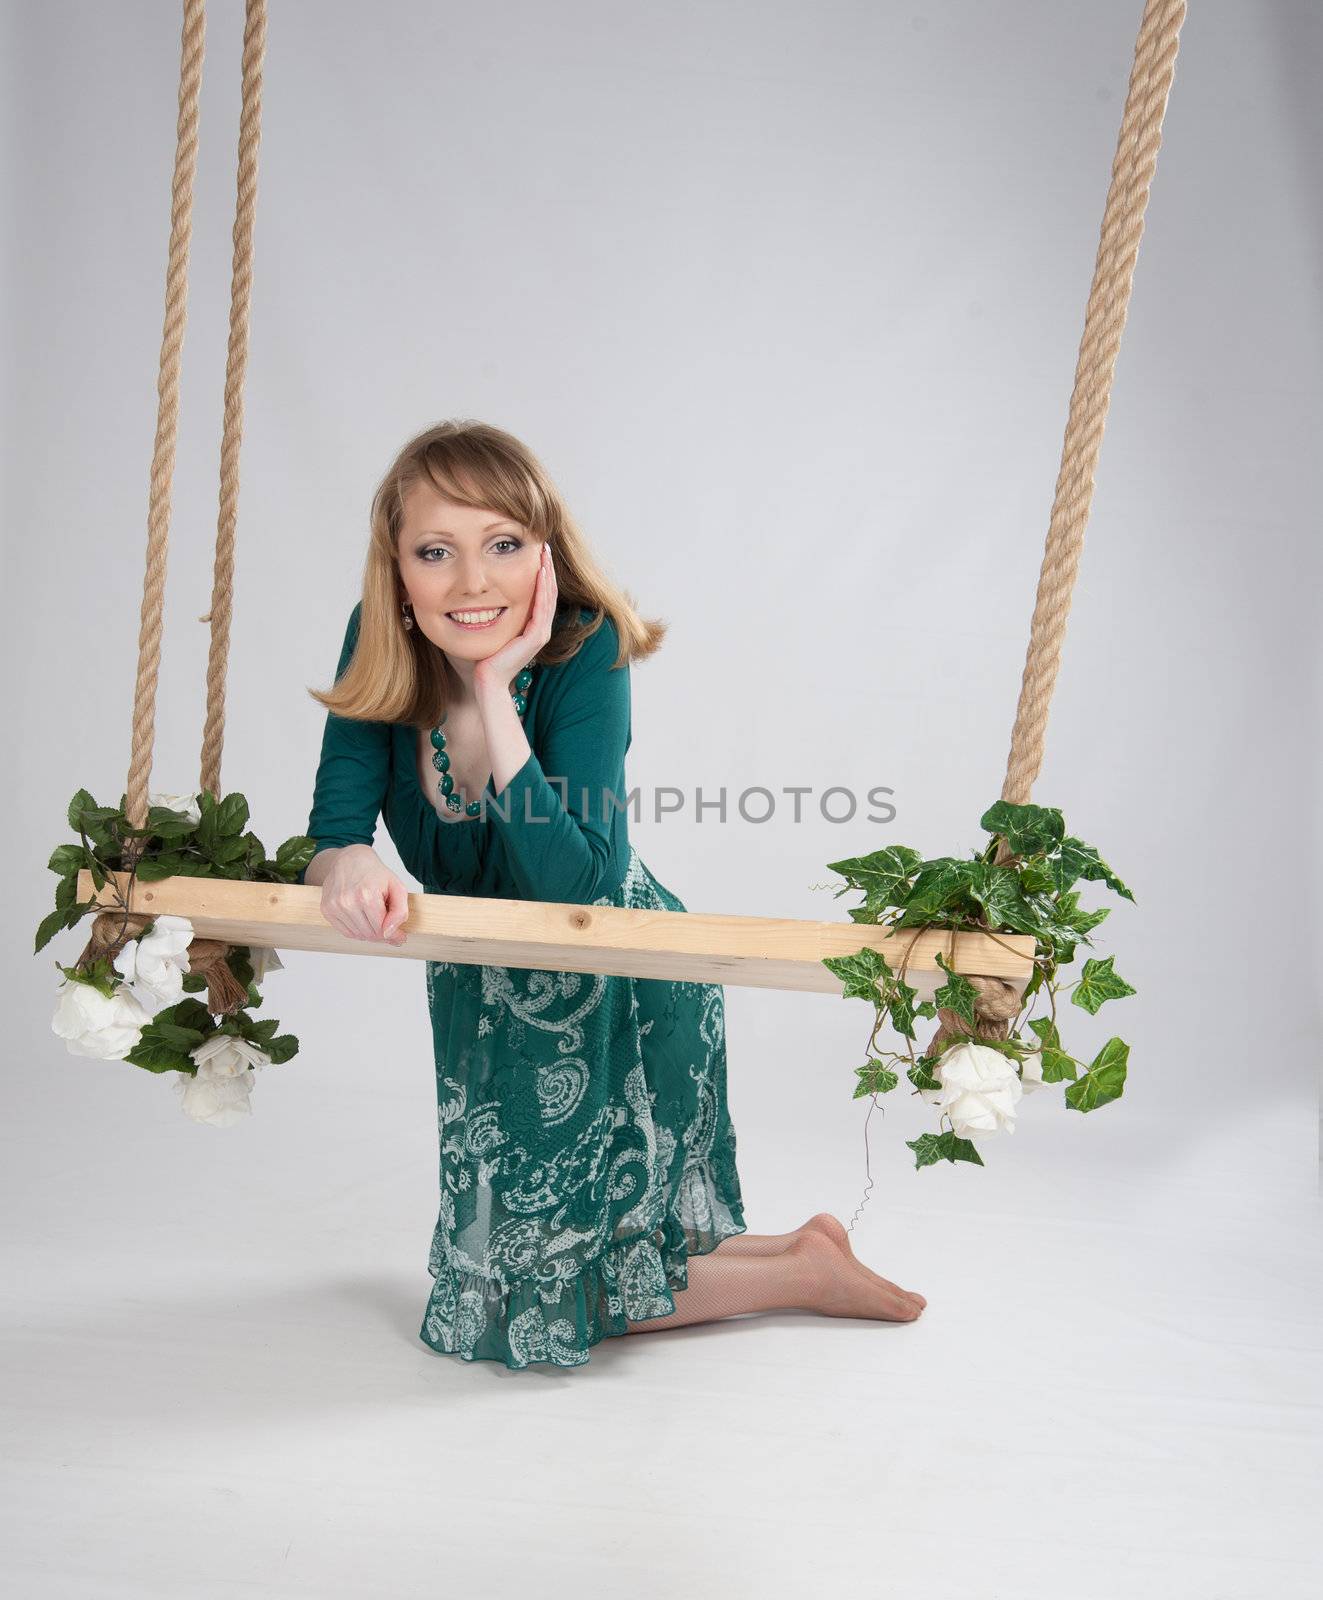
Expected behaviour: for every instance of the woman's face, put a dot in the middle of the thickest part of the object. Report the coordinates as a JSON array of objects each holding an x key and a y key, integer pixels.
[{"x": 465, "y": 559}]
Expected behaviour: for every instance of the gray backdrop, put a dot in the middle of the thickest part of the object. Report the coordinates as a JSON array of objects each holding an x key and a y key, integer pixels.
[{"x": 788, "y": 298}]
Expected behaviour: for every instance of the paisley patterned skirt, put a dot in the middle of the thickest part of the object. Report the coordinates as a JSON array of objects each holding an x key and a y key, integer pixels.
[{"x": 586, "y": 1150}]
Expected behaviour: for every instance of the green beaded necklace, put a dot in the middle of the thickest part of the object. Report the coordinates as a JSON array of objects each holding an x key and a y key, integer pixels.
[{"x": 441, "y": 761}]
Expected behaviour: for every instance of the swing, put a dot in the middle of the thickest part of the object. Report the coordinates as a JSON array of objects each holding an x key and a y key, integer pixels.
[{"x": 762, "y": 952}]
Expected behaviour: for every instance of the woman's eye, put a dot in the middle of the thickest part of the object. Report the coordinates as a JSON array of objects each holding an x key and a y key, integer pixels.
[{"x": 440, "y": 550}]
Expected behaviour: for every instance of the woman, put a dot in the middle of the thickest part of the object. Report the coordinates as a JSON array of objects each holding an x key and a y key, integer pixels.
[{"x": 482, "y": 706}]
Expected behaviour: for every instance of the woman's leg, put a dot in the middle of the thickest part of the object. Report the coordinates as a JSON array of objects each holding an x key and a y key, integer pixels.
[
  {"x": 822, "y": 1222},
  {"x": 810, "y": 1274}
]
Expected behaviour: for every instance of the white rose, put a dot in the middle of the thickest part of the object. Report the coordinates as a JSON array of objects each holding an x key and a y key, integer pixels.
[
  {"x": 226, "y": 1055},
  {"x": 93, "y": 1024},
  {"x": 154, "y": 964},
  {"x": 185, "y": 804},
  {"x": 219, "y": 1091},
  {"x": 264, "y": 960},
  {"x": 979, "y": 1089},
  {"x": 222, "y": 1099}
]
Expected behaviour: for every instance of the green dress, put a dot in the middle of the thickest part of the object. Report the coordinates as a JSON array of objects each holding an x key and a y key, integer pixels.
[{"x": 586, "y": 1145}]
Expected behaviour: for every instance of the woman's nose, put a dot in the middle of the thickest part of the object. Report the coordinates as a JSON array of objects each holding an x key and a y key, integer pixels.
[{"x": 472, "y": 579}]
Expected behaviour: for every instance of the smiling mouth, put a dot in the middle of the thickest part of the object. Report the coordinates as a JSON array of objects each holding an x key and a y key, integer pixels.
[{"x": 477, "y": 627}]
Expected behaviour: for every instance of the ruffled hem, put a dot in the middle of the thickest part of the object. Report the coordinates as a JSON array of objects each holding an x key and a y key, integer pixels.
[{"x": 480, "y": 1319}]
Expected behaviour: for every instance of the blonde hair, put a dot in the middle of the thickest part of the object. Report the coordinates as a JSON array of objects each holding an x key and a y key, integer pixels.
[{"x": 399, "y": 675}]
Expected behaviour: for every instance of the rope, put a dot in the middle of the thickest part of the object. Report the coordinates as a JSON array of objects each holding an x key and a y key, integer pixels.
[
  {"x": 167, "y": 419},
  {"x": 236, "y": 369},
  {"x": 1109, "y": 300},
  {"x": 158, "y": 520}
]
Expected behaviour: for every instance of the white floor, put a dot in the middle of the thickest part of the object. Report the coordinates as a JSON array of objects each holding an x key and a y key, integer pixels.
[{"x": 215, "y": 1387}]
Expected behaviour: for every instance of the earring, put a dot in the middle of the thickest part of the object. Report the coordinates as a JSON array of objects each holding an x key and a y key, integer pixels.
[{"x": 405, "y": 613}]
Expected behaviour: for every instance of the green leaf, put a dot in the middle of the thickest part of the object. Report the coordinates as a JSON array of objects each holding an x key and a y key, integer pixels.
[
  {"x": 1000, "y": 895},
  {"x": 230, "y": 850},
  {"x": 67, "y": 859},
  {"x": 876, "y": 874},
  {"x": 296, "y": 853},
  {"x": 1104, "y": 1080},
  {"x": 920, "y": 1074},
  {"x": 282, "y": 1047},
  {"x": 1057, "y": 1066},
  {"x": 931, "y": 1147},
  {"x": 151, "y": 869},
  {"x": 164, "y": 822},
  {"x": 232, "y": 816},
  {"x": 171, "y": 1033},
  {"x": 874, "y": 1078},
  {"x": 1036, "y": 878},
  {"x": 50, "y": 925},
  {"x": 900, "y": 997},
  {"x": 938, "y": 884},
  {"x": 957, "y": 994},
  {"x": 157, "y": 1056},
  {"x": 1028, "y": 830},
  {"x": 1070, "y": 914},
  {"x": 80, "y": 803},
  {"x": 1099, "y": 983},
  {"x": 1080, "y": 860},
  {"x": 859, "y": 974}
]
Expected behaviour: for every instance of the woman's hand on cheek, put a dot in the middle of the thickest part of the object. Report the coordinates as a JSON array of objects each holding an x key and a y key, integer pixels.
[{"x": 496, "y": 671}]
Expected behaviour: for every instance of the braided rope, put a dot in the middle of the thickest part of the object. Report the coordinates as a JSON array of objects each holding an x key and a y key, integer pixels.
[
  {"x": 1104, "y": 319},
  {"x": 236, "y": 369},
  {"x": 167, "y": 415}
]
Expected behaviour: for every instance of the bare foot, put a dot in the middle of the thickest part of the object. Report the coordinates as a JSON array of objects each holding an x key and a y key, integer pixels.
[
  {"x": 829, "y": 1226},
  {"x": 839, "y": 1287}
]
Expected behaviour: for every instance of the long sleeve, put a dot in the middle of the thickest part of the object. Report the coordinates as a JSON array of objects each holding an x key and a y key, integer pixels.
[
  {"x": 564, "y": 838},
  {"x": 353, "y": 773}
]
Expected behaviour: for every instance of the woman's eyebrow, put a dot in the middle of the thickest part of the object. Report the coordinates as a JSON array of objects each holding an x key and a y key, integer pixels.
[{"x": 501, "y": 522}]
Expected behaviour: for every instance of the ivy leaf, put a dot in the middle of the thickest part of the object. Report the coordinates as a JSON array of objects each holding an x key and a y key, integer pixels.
[
  {"x": 1070, "y": 914},
  {"x": 931, "y": 1147},
  {"x": 859, "y": 974},
  {"x": 1036, "y": 878},
  {"x": 1080, "y": 860},
  {"x": 920, "y": 1074},
  {"x": 876, "y": 874},
  {"x": 874, "y": 1078},
  {"x": 1104, "y": 1080},
  {"x": 938, "y": 883},
  {"x": 957, "y": 994},
  {"x": 1057, "y": 1066},
  {"x": 1028, "y": 830},
  {"x": 900, "y": 997},
  {"x": 1098, "y": 983},
  {"x": 999, "y": 893}
]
